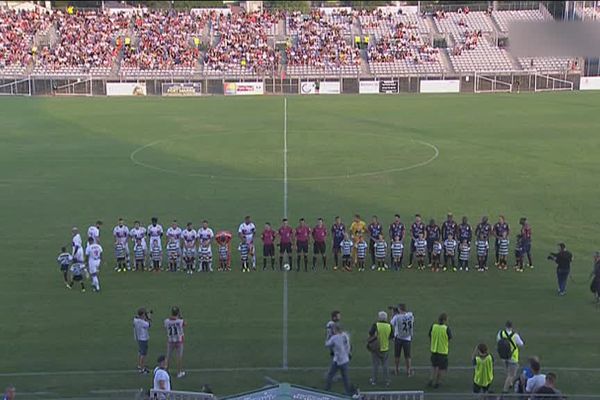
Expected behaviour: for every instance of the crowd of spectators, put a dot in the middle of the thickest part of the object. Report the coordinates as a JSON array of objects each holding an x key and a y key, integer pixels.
[
  {"x": 164, "y": 40},
  {"x": 320, "y": 42},
  {"x": 469, "y": 41},
  {"x": 403, "y": 43},
  {"x": 17, "y": 30},
  {"x": 86, "y": 40},
  {"x": 243, "y": 43}
]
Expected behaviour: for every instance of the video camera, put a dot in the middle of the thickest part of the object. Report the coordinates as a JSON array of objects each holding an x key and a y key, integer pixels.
[{"x": 142, "y": 313}]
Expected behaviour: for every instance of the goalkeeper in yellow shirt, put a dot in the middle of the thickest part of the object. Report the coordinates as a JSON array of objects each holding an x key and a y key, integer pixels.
[{"x": 357, "y": 229}]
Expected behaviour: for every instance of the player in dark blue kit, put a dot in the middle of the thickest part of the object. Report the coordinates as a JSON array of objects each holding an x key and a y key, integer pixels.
[
  {"x": 375, "y": 229},
  {"x": 432, "y": 234},
  {"x": 338, "y": 231},
  {"x": 500, "y": 228},
  {"x": 416, "y": 229},
  {"x": 449, "y": 227},
  {"x": 396, "y": 230},
  {"x": 464, "y": 231}
]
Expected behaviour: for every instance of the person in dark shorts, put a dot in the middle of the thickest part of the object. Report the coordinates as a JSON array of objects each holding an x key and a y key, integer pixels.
[
  {"x": 440, "y": 336},
  {"x": 403, "y": 322},
  {"x": 285, "y": 234},
  {"x": 319, "y": 234},
  {"x": 268, "y": 239}
]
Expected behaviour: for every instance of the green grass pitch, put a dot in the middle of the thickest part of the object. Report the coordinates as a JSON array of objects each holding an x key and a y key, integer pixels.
[{"x": 70, "y": 161}]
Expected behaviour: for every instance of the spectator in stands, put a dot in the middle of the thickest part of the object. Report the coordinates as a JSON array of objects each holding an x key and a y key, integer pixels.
[{"x": 549, "y": 388}]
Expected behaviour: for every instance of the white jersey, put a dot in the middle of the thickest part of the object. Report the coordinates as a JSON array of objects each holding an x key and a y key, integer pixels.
[
  {"x": 121, "y": 233},
  {"x": 189, "y": 237},
  {"x": 76, "y": 242},
  {"x": 174, "y": 233},
  {"x": 78, "y": 255},
  {"x": 94, "y": 233},
  {"x": 247, "y": 230},
  {"x": 155, "y": 233},
  {"x": 138, "y": 233},
  {"x": 205, "y": 234},
  {"x": 174, "y": 329},
  {"x": 161, "y": 375},
  {"x": 94, "y": 253},
  {"x": 403, "y": 325}
]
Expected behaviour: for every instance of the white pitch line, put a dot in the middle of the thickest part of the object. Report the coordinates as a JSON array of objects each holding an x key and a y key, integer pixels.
[
  {"x": 324, "y": 367},
  {"x": 284, "y": 330}
]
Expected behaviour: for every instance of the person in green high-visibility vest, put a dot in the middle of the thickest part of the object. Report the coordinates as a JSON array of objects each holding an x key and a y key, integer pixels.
[
  {"x": 440, "y": 336},
  {"x": 483, "y": 362},
  {"x": 381, "y": 333}
]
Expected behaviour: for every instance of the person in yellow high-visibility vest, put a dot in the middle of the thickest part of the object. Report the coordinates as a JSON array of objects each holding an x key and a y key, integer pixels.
[
  {"x": 366, "y": 41},
  {"x": 512, "y": 361},
  {"x": 127, "y": 41},
  {"x": 380, "y": 334},
  {"x": 70, "y": 10},
  {"x": 357, "y": 41},
  {"x": 440, "y": 336},
  {"x": 483, "y": 362},
  {"x": 196, "y": 41}
]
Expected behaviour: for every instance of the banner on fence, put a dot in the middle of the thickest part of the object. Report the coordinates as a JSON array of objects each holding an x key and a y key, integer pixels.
[
  {"x": 324, "y": 87},
  {"x": 589, "y": 83},
  {"x": 368, "y": 87},
  {"x": 388, "y": 86},
  {"x": 440, "y": 86},
  {"x": 243, "y": 88},
  {"x": 125, "y": 88},
  {"x": 182, "y": 89}
]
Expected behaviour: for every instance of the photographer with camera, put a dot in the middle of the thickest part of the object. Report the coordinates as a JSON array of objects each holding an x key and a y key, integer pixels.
[
  {"x": 563, "y": 267},
  {"x": 141, "y": 327}
]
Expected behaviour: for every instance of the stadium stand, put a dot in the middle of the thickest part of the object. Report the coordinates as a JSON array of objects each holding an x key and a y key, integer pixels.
[
  {"x": 85, "y": 44},
  {"x": 320, "y": 46},
  {"x": 17, "y": 32},
  {"x": 504, "y": 18},
  {"x": 243, "y": 45}
]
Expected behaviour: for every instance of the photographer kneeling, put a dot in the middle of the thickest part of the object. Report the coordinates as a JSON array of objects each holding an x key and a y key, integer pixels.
[
  {"x": 563, "y": 267},
  {"x": 141, "y": 327}
]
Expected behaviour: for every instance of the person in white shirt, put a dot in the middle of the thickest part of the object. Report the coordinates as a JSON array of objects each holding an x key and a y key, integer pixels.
[
  {"x": 246, "y": 232},
  {"x": 94, "y": 257},
  {"x": 537, "y": 380},
  {"x": 174, "y": 232},
  {"x": 339, "y": 344},
  {"x": 138, "y": 232},
  {"x": 162, "y": 380},
  {"x": 141, "y": 334},
  {"x": 174, "y": 325},
  {"x": 121, "y": 235},
  {"x": 205, "y": 233},
  {"x": 94, "y": 231},
  {"x": 403, "y": 323},
  {"x": 155, "y": 233},
  {"x": 75, "y": 241}
]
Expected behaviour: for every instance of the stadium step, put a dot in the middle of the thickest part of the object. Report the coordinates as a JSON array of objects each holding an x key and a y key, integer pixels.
[
  {"x": 445, "y": 60},
  {"x": 431, "y": 24}
]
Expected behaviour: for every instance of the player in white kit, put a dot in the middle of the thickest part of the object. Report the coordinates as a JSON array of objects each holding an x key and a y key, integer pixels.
[
  {"x": 155, "y": 233},
  {"x": 174, "y": 326},
  {"x": 246, "y": 232},
  {"x": 205, "y": 234},
  {"x": 121, "y": 235},
  {"x": 94, "y": 232},
  {"x": 189, "y": 236},
  {"x": 174, "y": 236},
  {"x": 138, "y": 232},
  {"x": 93, "y": 253},
  {"x": 76, "y": 242}
]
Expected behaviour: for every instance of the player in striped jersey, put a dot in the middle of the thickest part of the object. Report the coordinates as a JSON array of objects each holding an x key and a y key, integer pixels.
[
  {"x": 361, "y": 252},
  {"x": 420, "y": 246},
  {"x": 121, "y": 235},
  {"x": 175, "y": 338},
  {"x": 519, "y": 253},
  {"x": 155, "y": 233},
  {"x": 244, "y": 249},
  {"x": 64, "y": 260},
  {"x": 173, "y": 255},
  {"x": 205, "y": 256},
  {"x": 432, "y": 234},
  {"x": 346, "y": 247},
  {"x": 483, "y": 247},
  {"x": 139, "y": 254},
  {"x": 450, "y": 246},
  {"x": 503, "y": 243},
  {"x": 499, "y": 229},
  {"x": 464, "y": 250},
  {"x": 397, "y": 250},
  {"x": 436, "y": 256},
  {"x": 156, "y": 255},
  {"x": 375, "y": 229},
  {"x": 120, "y": 257},
  {"x": 380, "y": 248},
  {"x": 396, "y": 229},
  {"x": 189, "y": 237},
  {"x": 77, "y": 270},
  {"x": 223, "y": 249},
  {"x": 416, "y": 229}
]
